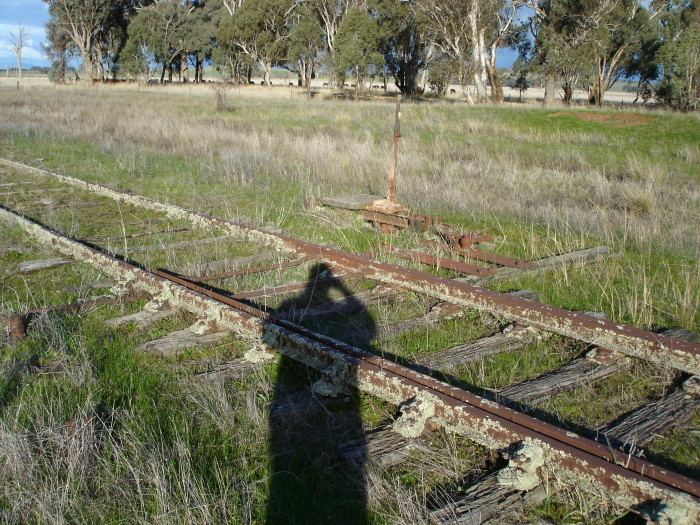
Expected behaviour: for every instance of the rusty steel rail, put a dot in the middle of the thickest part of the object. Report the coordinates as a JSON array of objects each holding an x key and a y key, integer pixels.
[
  {"x": 635, "y": 342},
  {"x": 462, "y": 240},
  {"x": 629, "y": 481},
  {"x": 440, "y": 262},
  {"x": 589, "y": 446},
  {"x": 473, "y": 253}
]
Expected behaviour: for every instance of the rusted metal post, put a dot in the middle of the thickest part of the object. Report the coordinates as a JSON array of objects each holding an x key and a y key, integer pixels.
[
  {"x": 389, "y": 204},
  {"x": 391, "y": 188}
]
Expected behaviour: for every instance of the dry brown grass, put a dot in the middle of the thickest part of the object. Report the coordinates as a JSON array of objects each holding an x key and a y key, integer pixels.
[
  {"x": 460, "y": 163},
  {"x": 565, "y": 192},
  {"x": 66, "y": 459},
  {"x": 272, "y": 150}
]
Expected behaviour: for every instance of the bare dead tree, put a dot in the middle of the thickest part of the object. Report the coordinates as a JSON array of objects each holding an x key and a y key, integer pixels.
[{"x": 18, "y": 44}]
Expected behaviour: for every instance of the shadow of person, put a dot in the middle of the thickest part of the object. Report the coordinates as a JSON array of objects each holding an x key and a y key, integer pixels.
[{"x": 309, "y": 483}]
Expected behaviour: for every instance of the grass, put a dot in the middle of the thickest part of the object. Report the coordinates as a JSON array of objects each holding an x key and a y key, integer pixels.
[
  {"x": 579, "y": 182},
  {"x": 117, "y": 437},
  {"x": 72, "y": 446}
]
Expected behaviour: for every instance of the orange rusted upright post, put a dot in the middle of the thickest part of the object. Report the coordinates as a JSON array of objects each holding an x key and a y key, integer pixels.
[
  {"x": 391, "y": 189},
  {"x": 389, "y": 205}
]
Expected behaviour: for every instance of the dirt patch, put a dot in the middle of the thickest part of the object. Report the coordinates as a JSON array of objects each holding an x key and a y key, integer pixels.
[{"x": 617, "y": 120}]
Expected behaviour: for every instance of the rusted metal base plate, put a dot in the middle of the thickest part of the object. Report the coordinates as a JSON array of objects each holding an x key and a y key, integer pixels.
[
  {"x": 387, "y": 206},
  {"x": 463, "y": 240},
  {"x": 350, "y": 202}
]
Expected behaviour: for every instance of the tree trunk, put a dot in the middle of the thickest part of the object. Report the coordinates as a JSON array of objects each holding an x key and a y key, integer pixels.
[
  {"x": 97, "y": 64},
  {"x": 303, "y": 77},
  {"x": 639, "y": 90},
  {"x": 184, "y": 67},
  {"x": 428, "y": 58},
  {"x": 483, "y": 72},
  {"x": 87, "y": 62},
  {"x": 468, "y": 94},
  {"x": 549, "y": 89},
  {"x": 61, "y": 69},
  {"x": 265, "y": 65},
  {"x": 162, "y": 73},
  {"x": 594, "y": 91},
  {"x": 309, "y": 75},
  {"x": 19, "y": 62},
  {"x": 496, "y": 86},
  {"x": 478, "y": 53},
  {"x": 480, "y": 87},
  {"x": 600, "y": 89},
  {"x": 568, "y": 92},
  {"x": 357, "y": 83},
  {"x": 605, "y": 77}
]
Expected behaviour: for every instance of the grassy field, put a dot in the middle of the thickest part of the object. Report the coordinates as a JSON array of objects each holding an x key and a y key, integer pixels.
[{"x": 541, "y": 181}]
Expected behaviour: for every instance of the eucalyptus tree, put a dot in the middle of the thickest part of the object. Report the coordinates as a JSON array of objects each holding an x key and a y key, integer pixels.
[
  {"x": 356, "y": 46},
  {"x": 172, "y": 31},
  {"x": 443, "y": 70},
  {"x": 260, "y": 29},
  {"x": 161, "y": 28},
  {"x": 199, "y": 39},
  {"x": 87, "y": 22},
  {"x": 231, "y": 5},
  {"x": 539, "y": 24},
  {"x": 331, "y": 13},
  {"x": 453, "y": 27},
  {"x": 306, "y": 42},
  {"x": 679, "y": 54},
  {"x": 133, "y": 60},
  {"x": 110, "y": 45},
  {"x": 469, "y": 33},
  {"x": 57, "y": 48},
  {"x": 518, "y": 76},
  {"x": 568, "y": 36},
  {"x": 403, "y": 41},
  {"x": 641, "y": 61},
  {"x": 229, "y": 59},
  {"x": 612, "y": 40},
  {"x": 501, "y": 30}
]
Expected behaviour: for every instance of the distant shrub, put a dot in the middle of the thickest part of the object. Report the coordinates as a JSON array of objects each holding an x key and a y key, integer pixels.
[{"x": 220, "y": 90}]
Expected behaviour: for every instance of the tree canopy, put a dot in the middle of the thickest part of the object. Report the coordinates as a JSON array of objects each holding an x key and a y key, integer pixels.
[{"x": 572, "y": 44}]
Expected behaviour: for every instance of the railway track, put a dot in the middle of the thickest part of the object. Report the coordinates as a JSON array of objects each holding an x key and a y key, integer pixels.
[{"x": 182, "y": 260}]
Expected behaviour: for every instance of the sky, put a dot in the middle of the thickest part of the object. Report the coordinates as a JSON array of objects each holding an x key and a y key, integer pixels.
[{"x": 32, "y": 14}]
